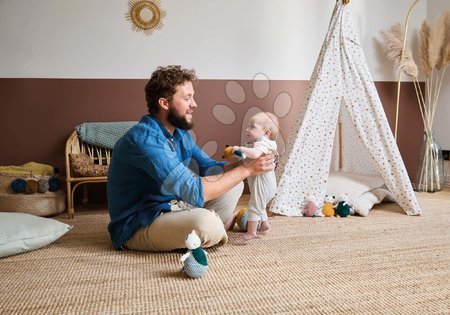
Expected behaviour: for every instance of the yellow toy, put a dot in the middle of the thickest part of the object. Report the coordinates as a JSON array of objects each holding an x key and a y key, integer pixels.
[
  {"x": 328, "y": 207},
  {"x": 230, "y": 154}
]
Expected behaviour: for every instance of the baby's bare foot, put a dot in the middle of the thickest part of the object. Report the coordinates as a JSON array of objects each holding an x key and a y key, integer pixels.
[
  {"x": 264, "y": 228},
  {"x": 247, "y": 237}
]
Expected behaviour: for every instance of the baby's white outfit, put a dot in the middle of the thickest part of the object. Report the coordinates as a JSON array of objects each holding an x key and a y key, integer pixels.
[{"x": 263, "y": 186}]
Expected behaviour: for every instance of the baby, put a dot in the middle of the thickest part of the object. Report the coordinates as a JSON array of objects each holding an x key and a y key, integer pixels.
[{"x": 262, "y": 132}]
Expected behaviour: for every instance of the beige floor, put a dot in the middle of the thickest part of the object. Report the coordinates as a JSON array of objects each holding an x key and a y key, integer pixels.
[{"x": 386, "y": 263}]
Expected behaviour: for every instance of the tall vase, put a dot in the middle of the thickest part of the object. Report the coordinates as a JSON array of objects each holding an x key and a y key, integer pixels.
[{"x": 430, "y": 172}]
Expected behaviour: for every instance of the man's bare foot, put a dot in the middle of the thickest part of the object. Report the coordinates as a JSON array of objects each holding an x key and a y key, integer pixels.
[
  {"x": 247, "y": 237},
  {"x": 231, "y": 221},
  {"x": 264, "y": 228}
]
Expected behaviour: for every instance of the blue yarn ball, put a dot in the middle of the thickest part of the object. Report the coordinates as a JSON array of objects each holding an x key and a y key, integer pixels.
[
  {"x": 53, "y": 184},
  {"x": 18, "y": 185}
]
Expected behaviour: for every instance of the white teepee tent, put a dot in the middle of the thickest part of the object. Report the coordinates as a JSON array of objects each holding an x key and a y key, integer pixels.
[{"x": 341, "y": 89}]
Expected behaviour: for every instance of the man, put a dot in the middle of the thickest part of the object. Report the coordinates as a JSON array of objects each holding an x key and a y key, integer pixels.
[{"x": 161, "y": 185}]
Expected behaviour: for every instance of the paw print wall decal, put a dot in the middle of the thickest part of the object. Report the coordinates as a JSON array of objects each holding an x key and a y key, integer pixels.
[{"x": 256, "y": 100}]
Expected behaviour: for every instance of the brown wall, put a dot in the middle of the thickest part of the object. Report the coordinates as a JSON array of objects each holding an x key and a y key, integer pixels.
[{"x": 37, "y": 115}]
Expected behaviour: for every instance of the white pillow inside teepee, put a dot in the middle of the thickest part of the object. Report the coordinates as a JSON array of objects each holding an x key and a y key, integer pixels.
[{"x": 359, "y": 189}]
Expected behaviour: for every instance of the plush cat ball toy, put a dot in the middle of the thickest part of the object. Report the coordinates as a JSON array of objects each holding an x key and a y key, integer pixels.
[
  {"x": 195, "y": 263},
  {"x": 230, "y": 154},
  {"x": 342, "y": 207},
  {"x": 328, "y": 206},
  {"x": 242, "y": 219},
  {"x": 310, "y": 207}
]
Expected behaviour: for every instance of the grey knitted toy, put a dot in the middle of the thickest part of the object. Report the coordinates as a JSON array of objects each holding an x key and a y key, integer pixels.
[{"x": 195, "y": 263}]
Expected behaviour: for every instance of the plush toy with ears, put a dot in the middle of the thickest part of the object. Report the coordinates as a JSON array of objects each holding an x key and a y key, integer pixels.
[
  {"x": 328, "y": 206},
  {"x": 195, "y": 263},
  {"x": 310, "y": 207},
  {"x": 342, "y": 207}
]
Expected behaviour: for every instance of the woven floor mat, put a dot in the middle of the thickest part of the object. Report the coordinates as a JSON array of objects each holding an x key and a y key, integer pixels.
[{"x": 386, "y": 263}]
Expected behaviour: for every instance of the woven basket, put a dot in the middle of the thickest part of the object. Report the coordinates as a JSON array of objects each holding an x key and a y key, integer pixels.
[{"x": 41, "y": 204}]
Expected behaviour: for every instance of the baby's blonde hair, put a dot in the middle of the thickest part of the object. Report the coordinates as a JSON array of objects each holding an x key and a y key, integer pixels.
[{"x": 269, "y": 121}]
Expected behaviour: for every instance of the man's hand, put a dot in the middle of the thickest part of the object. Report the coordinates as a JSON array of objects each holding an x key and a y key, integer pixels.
[
  {"x": 262, "y": 164},
  {"x": 216, "y": 185}
]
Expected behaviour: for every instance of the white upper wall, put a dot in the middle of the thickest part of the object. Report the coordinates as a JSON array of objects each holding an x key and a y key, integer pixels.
[{"x": 232, "y": 39}]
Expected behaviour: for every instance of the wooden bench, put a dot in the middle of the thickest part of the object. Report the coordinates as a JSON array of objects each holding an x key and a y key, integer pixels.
[{"x": 98, "y": 155}]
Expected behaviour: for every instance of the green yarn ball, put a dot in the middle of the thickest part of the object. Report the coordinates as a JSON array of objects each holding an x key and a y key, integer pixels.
[{"x": 18, "y": 185}]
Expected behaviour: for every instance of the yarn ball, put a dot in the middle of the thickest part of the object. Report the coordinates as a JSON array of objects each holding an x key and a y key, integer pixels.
[
  {"x": 42, "y": 185},
  {"x": 18, "y": 185},
  {"x": 53, "y": 184},
  {"x": 241, "y": 219},
  {"x": 194, "y": 269},
  {"x": 31, "y": 186}
]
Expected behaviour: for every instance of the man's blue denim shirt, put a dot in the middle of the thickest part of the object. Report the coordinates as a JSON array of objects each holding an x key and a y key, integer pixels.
[{"x": 150, "y": 167}]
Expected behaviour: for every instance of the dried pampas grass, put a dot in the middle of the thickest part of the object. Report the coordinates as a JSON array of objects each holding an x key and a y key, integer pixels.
[
  {"x": 446, "y": 48},
  {"x": 435, "y": 58},
  {"x": 394, "y": 45},
  {"x": 424, "y": 44},
  {"x": 447, "y": 55},
  {"x": 437, "y": 41}
]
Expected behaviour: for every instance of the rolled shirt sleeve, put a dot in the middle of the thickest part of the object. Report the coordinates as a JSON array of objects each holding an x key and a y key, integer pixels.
[
  {"x": 162, "y": 164},
  {"x": 206, "y": 165}
]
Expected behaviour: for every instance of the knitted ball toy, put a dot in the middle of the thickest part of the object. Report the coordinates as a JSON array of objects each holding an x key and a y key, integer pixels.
[
  {"x": 53, "y": 184},
  {"x": 241, "y": 219},
  {"x": 31, "y": 186},
  {"x": 195, "y": 262},
  {"x": 43, "y": 185},
  {"x": 18, "y": 185}
]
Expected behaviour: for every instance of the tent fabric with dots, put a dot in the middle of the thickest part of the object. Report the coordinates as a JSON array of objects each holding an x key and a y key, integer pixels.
[{"x": 341, "y": 89}]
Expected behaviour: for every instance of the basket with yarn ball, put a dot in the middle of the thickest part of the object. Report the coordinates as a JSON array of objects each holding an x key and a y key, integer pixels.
[{"x": 31, "y": 190}]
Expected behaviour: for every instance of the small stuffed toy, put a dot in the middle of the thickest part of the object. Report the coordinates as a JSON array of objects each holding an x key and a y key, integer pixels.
[
  {"x": 230, "y": 154},
  {"x": 342, "y": 207},
  {"x": 195, "y": 263},
  {"x": 328, "y": 206},
  {"x": 242, "y": 219},
  {"x": 310, "y": 207}
]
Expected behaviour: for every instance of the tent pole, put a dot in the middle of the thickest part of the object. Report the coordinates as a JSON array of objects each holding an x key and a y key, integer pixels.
[
  {"x": 340, "y": 144},
  {"x": 397, "y": 109}
]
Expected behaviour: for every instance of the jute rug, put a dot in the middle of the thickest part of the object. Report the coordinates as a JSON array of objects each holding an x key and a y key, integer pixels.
[{"x": 386, "y": 263}]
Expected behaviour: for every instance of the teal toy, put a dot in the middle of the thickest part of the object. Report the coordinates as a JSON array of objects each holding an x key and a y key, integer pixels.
[
  {"x": 195, "y": 263},
  {"x": 229, "y": 153},
  {"x": 342, "y": 207}
]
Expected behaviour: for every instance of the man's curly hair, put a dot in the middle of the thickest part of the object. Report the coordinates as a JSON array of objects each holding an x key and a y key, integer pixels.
[{"x": 163, "y": 84}]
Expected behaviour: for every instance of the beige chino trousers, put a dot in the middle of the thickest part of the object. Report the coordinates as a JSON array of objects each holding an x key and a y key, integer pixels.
[{"x": 169, "y": 230}]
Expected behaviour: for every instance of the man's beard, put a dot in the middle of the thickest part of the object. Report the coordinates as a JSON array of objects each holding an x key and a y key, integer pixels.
[{"x": 177, "y": 120}]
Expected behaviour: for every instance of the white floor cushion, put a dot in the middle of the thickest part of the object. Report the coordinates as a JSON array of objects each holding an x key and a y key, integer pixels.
[{"x": 22, "y": 232}]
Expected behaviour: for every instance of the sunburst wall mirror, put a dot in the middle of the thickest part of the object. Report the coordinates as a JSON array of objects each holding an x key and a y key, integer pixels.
[{"x": 145, "y": 15}]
